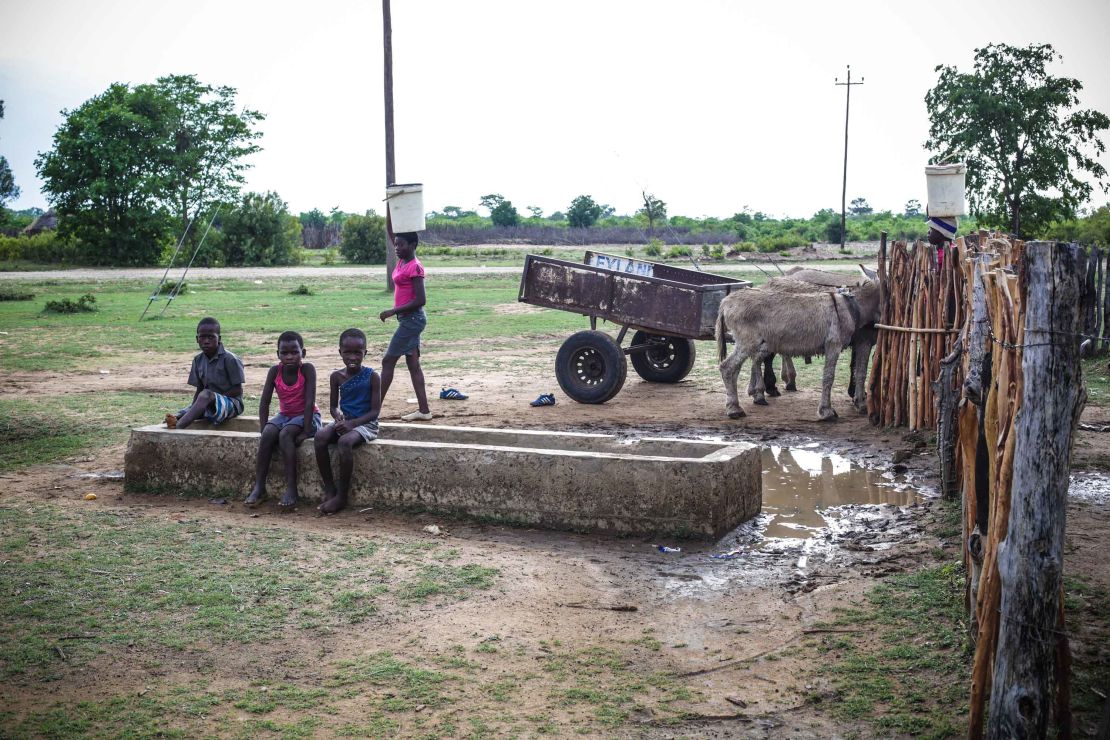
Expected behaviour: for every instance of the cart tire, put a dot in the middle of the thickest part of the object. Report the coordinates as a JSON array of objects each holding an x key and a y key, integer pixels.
[
  {"x": 590, "y": 367},
  {"x": 669, "y": 363}
]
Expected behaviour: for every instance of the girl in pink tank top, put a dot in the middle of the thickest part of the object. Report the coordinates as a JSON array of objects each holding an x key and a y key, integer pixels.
[{"x": 297, "y": 419}]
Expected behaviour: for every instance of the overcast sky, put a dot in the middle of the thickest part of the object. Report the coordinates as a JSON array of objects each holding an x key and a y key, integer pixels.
[{"x": 711, "y": 105}]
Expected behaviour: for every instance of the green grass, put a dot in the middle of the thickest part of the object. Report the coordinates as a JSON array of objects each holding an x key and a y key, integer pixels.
[
  {"x": 91, "y": 581},
  {"x": 914, "y": 678}
]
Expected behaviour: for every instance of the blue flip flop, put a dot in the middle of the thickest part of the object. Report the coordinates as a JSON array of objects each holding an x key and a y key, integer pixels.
[
  {"x": 450, "y": 394},
  {"x": 545, "y": 399}
]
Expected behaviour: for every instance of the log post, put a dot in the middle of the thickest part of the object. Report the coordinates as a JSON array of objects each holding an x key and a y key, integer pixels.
[
  {"x": 978, "y": 334},
  {"x": 1106, "y": 307},
  {"x": 1030, "y": 559},
  {"x": 948, "y": 400}
]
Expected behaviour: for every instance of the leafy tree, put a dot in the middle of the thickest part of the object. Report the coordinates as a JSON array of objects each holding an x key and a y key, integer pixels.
[
  {"x": 860, "y": 207},
  {"x": 583, "y": 212},
  {"x": 208, "y": 142},
  {"x": 1024, "y": 142},
  {"x": 653, "y": 210},
  {"x": 452, "y": 211},
  {"x": 336, "y": 216},
  {"x": 8, "y": 189},
  {"x": 504, "y": 214},
  {"x": 557, "y": 216},
  {"x": 490, "y": 201},
  {"x": 107, "y": 174},
  {"x": 913, "y": 207},
  {"x": 260, "y": 231},
  {"x": 313, "y": 218},
  {"x": 362, "y": 240},
  {"x": 536, "y": 211}
]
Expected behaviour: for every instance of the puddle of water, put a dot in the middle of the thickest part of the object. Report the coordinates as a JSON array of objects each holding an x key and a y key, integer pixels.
[
  {"x": 800, "y": 484},
  {"x": 1090, "y": 486}
]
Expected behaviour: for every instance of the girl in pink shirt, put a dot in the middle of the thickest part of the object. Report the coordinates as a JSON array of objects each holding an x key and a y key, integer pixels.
[
  {"x": 408, "y": 307},
  {"x": 297, "y": 419}
]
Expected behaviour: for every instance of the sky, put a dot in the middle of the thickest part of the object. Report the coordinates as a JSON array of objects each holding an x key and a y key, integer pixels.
[{"x": 712, "y": 106}]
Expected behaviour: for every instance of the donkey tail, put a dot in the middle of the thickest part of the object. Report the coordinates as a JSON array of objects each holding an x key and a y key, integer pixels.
[{"x": 721, "y": 351}]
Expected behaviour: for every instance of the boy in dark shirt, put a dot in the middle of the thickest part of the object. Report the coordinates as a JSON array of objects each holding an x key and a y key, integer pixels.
[{"x": 218, "y": 377}]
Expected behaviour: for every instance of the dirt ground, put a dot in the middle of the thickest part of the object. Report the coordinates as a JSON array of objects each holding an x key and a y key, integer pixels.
[{"x": 725, "y": 617}]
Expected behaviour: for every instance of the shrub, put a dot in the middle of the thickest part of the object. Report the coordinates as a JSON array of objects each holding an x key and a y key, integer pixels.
[
  {"x": 780, "y": 242},
  {"x": 84, "y": 304},
  {"x": 331, "y": 256},
  {"x": 302, "y": 289},
  {"x": 261, "y": 231},
  {"x": 717, "y": 252},
  {"x": 170, "y": 285},
  {"x": 362, "y": 239},
  {"x": 743, "y": 247},
  {"x": 654, "y": 248},
  {"x": 678, "y": 251},
  {"x": 14, "y": 294},
  {"x": 45, "y": 247},
  {"x": 704, "y": 250},
  {"x": 630, "y": 252}
]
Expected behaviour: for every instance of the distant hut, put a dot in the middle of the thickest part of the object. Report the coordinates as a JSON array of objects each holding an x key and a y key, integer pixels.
[{"x": 46, "y": 222}]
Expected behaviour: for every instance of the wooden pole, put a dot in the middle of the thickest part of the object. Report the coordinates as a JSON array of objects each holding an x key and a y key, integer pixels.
[
  {"x": 390, "y": 168},
  {"x": 1030, "y": 561}
]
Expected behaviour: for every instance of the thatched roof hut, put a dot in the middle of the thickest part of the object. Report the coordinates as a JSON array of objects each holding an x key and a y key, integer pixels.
[{"x": 46, "y": 222}]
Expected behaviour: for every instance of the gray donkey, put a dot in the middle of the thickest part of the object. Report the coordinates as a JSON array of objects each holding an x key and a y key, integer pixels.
[{"x": 766, "y": 321}]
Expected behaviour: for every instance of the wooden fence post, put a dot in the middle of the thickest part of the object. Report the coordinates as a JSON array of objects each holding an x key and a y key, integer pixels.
[
  {"x": 948, "y": 401},
  {"x": 1030, "y": 559}
]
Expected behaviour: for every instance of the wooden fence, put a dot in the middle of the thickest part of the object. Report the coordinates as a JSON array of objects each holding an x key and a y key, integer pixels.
[{"x": 970, "y": 337}]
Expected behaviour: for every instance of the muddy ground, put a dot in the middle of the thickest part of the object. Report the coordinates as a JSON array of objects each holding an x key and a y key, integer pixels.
[{"x": 716, "y": 620}]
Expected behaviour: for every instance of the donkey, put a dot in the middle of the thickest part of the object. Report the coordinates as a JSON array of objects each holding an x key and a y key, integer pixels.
[
  {"x": 808, "y": 280},
  {"x": 763, "y": 321}
]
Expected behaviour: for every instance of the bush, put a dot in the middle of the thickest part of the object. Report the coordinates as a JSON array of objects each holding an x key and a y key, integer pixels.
[
  {"x": 331, "y": 256},
  {"x": 46, "y": 247},
  {"x": 743, "y": 247},
  {"x": 84, "y": 304},
  {"x": 678, "y": 251},
  {"x": 302, "y": 289},
  {"x": 171, "y": 286},
  {"x": 717, "y": 252},
  {"x": 780, "y": 242},
  {"x": 261, "y": 231},
  {"x": 14, "y": 294},
  {"x": 654, "y": 248},
  {"x": 362, "y": 239}
]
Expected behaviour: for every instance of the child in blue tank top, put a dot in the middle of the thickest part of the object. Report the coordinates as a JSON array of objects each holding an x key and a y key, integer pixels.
[{"x": 355, "y": 403}]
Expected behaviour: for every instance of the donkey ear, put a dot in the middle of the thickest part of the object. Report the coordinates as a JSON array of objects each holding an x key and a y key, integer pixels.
[{"x": 869, "y": 274}]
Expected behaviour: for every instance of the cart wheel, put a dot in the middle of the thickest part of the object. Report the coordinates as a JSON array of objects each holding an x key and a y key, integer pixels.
[
  {"x": 590, "y": 367},
  {"x": 669, "y": 360}
]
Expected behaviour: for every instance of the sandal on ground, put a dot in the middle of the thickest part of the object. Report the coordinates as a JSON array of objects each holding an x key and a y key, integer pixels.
[
  {"x": 545, "y": 399},
  {"x": 450, "y": 394},
  {"x": 417, "y": 416}
]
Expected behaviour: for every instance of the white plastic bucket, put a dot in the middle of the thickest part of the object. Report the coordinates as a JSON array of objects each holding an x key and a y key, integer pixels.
[
  {"x": 946, "y": 189},
  {"x": 406, "y": 206}
]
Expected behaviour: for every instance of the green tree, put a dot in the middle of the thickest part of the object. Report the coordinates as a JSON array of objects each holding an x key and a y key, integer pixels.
[
  {"x": 489, "y": 202},
  {"x": 106, "y": 174},
  {"x": 8, "y": 189},
  {"x": 209, "y": 141},
  {"x": 583, "y": 212},
  {"x": 260, "y": 231},
  {"x": 653, "y": 210},
  {"x": 362, "y": 240},
  {"x": 913, "y": 207},
  {"x": 860, "y": 207},
  {"x": 504, "y": 214},
  {"x": 536, "y": 211},
  {"x": 313, "y": 218},
  {"x": 1023, "y": 139}
]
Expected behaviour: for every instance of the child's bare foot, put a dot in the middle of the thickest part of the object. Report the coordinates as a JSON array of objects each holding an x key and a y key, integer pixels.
[
  {"x": 255, "y": 497},
  {"x": 336, "y": 503},
  {"x": 171, "y": 421},
  {"x": 288, "y": 500},
  {"x": 329, "y": 494}
]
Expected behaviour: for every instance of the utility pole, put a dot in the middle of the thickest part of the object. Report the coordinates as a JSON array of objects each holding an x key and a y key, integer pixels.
[
  {"x": 844, "y": 189},
  {"x": 390, "y": 167}
]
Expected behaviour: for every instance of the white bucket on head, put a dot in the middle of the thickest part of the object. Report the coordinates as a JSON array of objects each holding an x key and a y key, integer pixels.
[
  {"x": 406, "y": 206},
  {"x": 946, "y": 189}
]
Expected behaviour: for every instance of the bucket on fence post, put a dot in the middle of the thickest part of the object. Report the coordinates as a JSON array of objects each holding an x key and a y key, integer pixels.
[
  {"x": 946, "y": 189},
  {"x": 406, "y": 206}
]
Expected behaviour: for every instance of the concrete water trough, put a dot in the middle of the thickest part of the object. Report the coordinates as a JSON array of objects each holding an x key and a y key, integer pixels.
[{"x": 556, "y": 480}]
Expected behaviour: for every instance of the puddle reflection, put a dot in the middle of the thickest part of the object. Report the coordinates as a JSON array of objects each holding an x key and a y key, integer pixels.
[{"x": 799, "y": 484}]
